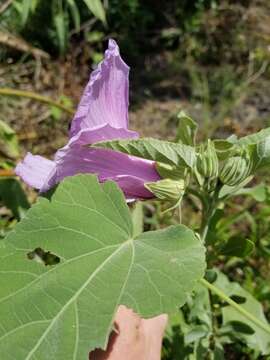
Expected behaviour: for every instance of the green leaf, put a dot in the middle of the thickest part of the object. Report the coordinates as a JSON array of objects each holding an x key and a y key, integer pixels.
[
  {"x": 198, "y": 332},
  {"x": 96, "y": 7},
  {"x": 187, "y": 129},
  {"x": 224, "y": 148},
  {"x": 238, "y": 326},
  {"x": 254, "y": 138},
  {"x": 8, "y": 141},
  {"x": 229, "y": 191},
  {"x": 211, "y": 275},
  {"x": 13, "y": 197},
  {"x": 260, "y": 340},
  {"x": 259, "y": 192},
  {"x": 61, "y": 30},
  {"x": 156, "y": 150},
  {"x": 64, "y": 311},
  {"x": 259, "y": 144},
  {"x": 26, "y": 7},
  {"x": 237, "y": 246},
  {"x": 74, "y": 13},
  {"x": 262, "y": 155}
]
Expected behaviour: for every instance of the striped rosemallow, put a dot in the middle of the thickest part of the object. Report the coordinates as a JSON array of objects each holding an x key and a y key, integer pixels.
[{"x": 102, "y": 114}]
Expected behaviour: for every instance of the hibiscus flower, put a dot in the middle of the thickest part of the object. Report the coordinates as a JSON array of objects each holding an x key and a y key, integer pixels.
[{"x": 102, "y": 114}]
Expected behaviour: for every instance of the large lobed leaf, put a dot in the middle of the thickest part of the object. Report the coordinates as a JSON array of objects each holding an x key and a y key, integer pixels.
[
  {"x": 156, "y": 150},
  {"x": 64, "y": 311}
]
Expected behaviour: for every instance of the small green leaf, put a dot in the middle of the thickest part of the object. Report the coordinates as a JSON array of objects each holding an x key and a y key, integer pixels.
[
  {"x": 26, "y": 7},
  {"x": 255, "y": 138},
  {"x": 198, "y": 332},
  {"x": 259, "y": 340},
  {"x": 224, "y": 149},
  {"x": 156, "y": 150},
  {"x": 13, "y": 197},
  {"x": 241, "y": 327},
  {"x": 61, "y": 31},
  {"x": 259, "y": 192},
  {"x": 259, "y": 144},
  {"x": 229, "y": 191},
  {"x": 96, "y": 7},
  {"x": 211, "y": 275},
  {"x": 187, "y": 129},
  {"x": 66, "y": 310},
  {"x": 237, "y": 246},
  {"x": 262, "y": 156},
  {"x": 8, "y": 141},
  {"x": 74, "y": 13}
]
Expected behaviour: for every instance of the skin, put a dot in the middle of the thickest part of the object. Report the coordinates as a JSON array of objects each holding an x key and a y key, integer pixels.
[{"x": 134, "y": 337}]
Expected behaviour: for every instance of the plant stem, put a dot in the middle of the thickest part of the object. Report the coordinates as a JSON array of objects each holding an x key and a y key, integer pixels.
[
  {"x": 34, "y": 96},
  {"x": 208, "y": 211},
  {"x": 237, "y": 307},
  {"x": 7, "y": 172}
]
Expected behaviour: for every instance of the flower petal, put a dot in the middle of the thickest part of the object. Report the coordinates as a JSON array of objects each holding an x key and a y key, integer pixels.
[
  {"x": 34, "y": 170},
  {"x": 105, "y": 98},
  {"x": 129, "y": 172},
  {"x": 133, "y": 187},
  {"x": 101, "y": 133}
]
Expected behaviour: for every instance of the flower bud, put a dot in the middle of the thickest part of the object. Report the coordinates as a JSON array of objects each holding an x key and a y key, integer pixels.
[
  {"x": 235, "y": 170},
  {"x": 207, "y": 166},
  {"x": 207, "y": 161},
  {"x": 167, "y": 189}
]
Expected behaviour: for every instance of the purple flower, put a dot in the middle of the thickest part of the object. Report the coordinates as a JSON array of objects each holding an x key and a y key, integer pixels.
[{"x": 102, "y": 115}]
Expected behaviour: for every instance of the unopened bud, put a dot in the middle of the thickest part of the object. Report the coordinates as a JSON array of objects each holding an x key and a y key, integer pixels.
[
  {"x": 207, "y": 166},
  {"x": 235, "y": 170},
  {"x": 207, "y": 162},
  {"x": 167, "y": 189}
]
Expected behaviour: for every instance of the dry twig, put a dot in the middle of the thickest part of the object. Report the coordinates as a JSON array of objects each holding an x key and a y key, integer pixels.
[{"x": 21, "y": 45}]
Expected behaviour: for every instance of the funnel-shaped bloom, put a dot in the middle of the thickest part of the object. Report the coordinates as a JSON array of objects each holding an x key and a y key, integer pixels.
[{"x": 102, "y": 115}]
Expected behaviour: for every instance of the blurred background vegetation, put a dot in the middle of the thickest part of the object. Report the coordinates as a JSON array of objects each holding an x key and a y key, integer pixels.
[{"x": 208, "y": 57}]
